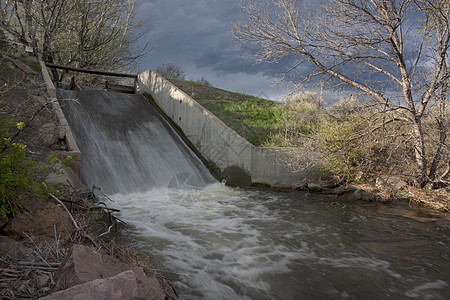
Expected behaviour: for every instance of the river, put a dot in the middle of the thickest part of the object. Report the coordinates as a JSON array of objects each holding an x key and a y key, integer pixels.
[{"x": 226, "y": 243}]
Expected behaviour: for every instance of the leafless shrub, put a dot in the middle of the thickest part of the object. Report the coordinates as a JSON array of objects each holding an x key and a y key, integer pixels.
[{"x": 171, "y": 71}]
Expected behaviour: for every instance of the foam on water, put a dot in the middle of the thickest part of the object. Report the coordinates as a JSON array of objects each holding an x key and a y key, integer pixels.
[{"x": 209, "y": 235}]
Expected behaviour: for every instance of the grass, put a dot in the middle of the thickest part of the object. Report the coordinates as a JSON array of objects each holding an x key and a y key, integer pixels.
[{"x": 253, "y": 118}]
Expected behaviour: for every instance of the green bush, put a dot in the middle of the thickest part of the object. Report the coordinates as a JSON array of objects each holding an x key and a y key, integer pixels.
[
  {"x": 342, "y": 150},
  {"x": 20, "y": 176}
]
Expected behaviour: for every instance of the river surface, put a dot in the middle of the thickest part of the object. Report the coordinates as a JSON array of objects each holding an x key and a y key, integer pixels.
[{"x": 226, "y": 243}]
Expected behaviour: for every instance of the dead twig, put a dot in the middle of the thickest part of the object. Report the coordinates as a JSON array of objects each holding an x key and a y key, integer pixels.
[
  {"x": 75, "y": 224},
  {"x": 77, "y": 227},
  {"x": 37, "y": 264}
]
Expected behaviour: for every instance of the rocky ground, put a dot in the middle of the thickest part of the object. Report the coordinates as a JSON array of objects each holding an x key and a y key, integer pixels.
[{"x": 55, "y": 248}]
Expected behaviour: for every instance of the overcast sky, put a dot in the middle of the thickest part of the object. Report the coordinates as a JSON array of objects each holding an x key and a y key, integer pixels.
[{"x": 196, "y": 35}]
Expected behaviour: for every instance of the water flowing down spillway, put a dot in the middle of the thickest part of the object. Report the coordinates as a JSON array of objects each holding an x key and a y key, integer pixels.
[
  {"x": 126, "y": 145},
  {"x": 217, "y": 242}
]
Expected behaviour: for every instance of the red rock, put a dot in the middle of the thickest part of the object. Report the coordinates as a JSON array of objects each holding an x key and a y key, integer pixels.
[
  {"x": 40, "y": 223},
  {"x": 118, "y": 287},
  {"x": 84, "y": 264}
]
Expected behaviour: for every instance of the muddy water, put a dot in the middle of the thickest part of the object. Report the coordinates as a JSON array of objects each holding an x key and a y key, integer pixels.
[{"x": 225, "y": 243}]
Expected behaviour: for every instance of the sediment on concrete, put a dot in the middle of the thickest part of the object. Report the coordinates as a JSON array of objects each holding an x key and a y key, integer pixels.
[{"x": 219, "y": 144}]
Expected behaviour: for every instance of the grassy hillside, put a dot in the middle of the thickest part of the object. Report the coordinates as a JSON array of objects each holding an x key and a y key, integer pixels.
[{"x": 253, "y": 118}]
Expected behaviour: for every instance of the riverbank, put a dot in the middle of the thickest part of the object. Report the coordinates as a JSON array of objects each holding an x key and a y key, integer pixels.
[
  {"x": 41, "y": 236},
  {"x": 51, "y": 252},
  {"x": 384, "y": 189}
]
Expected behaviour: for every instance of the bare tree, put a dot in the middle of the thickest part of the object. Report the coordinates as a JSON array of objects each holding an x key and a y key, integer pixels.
[
  {"x": 171, "y": 71},
  {"x": 98, "y": 34},
  {"x": 103, "y": 35},
  {"x": 370, "y": 45}
]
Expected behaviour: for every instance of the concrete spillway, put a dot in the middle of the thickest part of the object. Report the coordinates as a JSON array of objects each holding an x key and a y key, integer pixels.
[{"x": 126, "y": 145}]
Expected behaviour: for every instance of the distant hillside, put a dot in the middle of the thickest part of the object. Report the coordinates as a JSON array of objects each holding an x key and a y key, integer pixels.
[{"x": 252, "y": 117}]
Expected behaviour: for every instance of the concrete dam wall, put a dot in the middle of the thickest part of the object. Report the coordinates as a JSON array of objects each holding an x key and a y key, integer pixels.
[{"x": 218, "y": 143}]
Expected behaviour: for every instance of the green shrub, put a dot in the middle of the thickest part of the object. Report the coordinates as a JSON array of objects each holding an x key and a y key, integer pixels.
[
  {"x": 20, "y": 176},
  {"x": 342, "y": 150}
]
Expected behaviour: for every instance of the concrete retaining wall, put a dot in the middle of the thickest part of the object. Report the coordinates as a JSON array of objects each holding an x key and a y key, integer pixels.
[
  {"x": 218, "y": 143},
  {"x": 64, "y": 129}
]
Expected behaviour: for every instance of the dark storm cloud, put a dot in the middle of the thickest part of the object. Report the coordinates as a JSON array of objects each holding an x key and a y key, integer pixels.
[
  {"x": 196, "y": 35},
  {"x": 185, "y": 30}
]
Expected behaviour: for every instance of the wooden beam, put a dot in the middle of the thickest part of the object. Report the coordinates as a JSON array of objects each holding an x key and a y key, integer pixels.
[{"x": 90, "y": 71}]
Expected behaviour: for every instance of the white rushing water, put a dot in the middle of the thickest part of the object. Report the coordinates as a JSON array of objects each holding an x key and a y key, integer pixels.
[{"x": 226, "y": 243}]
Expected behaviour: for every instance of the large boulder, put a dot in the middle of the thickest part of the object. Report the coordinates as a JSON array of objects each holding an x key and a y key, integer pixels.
[
  {"x": 40, "y": 224},
  {"x": 84, "y": 264},
  {"x": 49, "y": 134},
  {"x": 118, "y": 287}
]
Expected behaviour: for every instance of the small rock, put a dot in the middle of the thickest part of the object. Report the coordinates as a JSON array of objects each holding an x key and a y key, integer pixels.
[
  {"x": 7, "y": 245},
  {"x": 300, "y": 186},
  {"x": 49, "y": 134},
  {"x": 314, "y": 187},
  {"x": 43, "y": 280}
]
